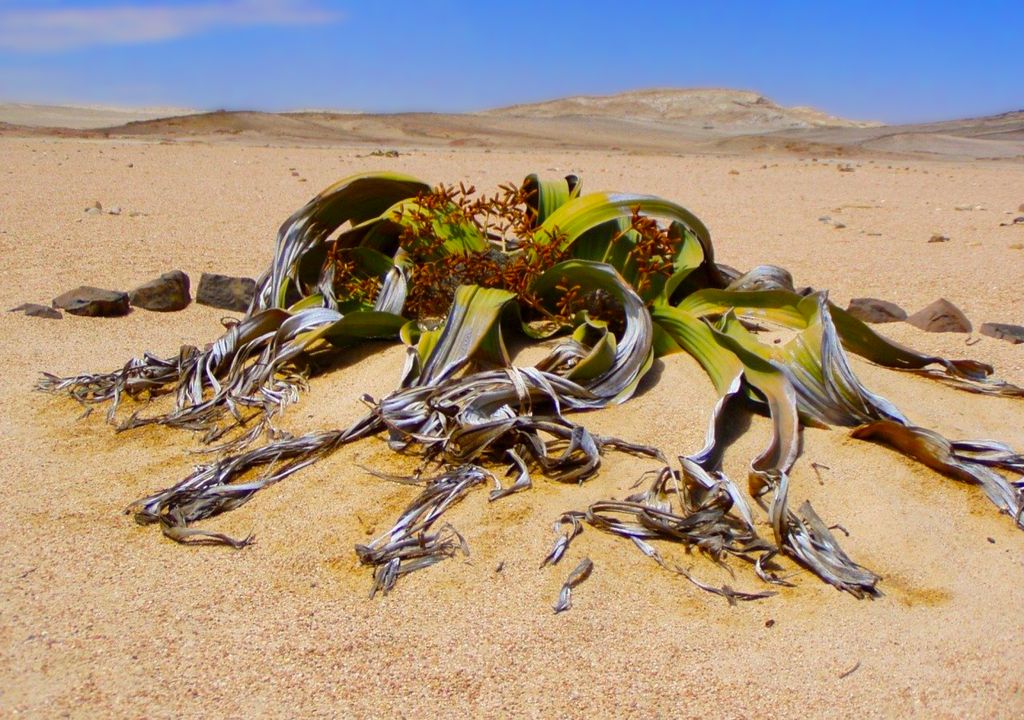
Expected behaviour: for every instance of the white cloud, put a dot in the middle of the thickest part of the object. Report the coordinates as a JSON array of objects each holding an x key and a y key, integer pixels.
[{"x": 48, "y": 29}]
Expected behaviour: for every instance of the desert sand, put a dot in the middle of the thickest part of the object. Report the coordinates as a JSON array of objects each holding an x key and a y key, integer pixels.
[{"x": 102, "y": 618}]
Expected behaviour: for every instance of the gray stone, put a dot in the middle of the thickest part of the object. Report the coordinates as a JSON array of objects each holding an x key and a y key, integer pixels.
[
  {"x": 1001, "y": 331},
  {"x": 941, "y": 316},
  {"x": 167, "y": 293},
  {"x": 93, "y": 302},
  {"x": 225, "y": 292},
  {"x": 873, "y": 310},
  {"x": 39, "y": 311},
  {"x": 764, "y": 277}
]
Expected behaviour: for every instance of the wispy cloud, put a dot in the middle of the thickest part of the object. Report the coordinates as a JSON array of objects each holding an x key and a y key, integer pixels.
[{"x": 41, "y": 27}]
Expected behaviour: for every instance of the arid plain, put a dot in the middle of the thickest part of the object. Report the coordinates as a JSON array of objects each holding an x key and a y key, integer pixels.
[{"x": 103, "y": 618}]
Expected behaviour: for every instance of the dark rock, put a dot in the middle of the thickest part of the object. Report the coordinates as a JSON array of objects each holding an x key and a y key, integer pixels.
[
  {"x": 225, "y": 292},
  {"x": 873, "y": 310},
  {"x": 93, "y": 302},
  {"x": 1001, "y": 331},
  {"x": 167, "y": 293},
  {"x": 938, "y": 238},
  {"x": 39, "y": 311},
  {"x": 941, "y": 316}
]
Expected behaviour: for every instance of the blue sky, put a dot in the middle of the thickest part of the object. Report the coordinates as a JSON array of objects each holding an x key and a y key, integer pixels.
[{"x": 891, "y": 61}]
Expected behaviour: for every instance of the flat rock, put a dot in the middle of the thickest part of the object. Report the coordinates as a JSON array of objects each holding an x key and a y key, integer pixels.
[
  {"x": 938, "y": 238},
  {"x": 225, "y": 292},
  {"x": 167, "y": 293},
  {"x": 873, "y": 310},
  {"x": 941, "y": 316},
  {"x": 1001, "y": 331},
  {"x": 39, "y": 311},
  {"x": 93, "y": 302}
]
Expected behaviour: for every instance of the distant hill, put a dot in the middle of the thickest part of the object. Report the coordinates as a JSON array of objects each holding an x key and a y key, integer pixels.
[
  {"x": 719, "y": 108},
  {"x": 648, "y": 121},
  {"x": 81, "y": 117}
]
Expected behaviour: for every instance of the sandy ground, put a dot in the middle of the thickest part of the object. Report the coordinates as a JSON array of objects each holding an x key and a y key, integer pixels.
[{"x": 101, "y": 618}]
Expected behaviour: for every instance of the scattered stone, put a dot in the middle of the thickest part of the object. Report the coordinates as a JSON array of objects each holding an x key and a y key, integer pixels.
[
  {"x": 1020, "y": 208},
  {"x": 1001, "y": 331},
  {"x": 95, "y": 209},
  {"x": 116, "y": 210},
  {"x": 225, "y": 292},
  {"x": 938, "y": 239},
  {"x": 734, "y": 172},
  {"x": 873, "y": 310},
  {"x": 1015, "y": 221},
  {"x": 846, "y": 168},
  {"x": 93, "y": 302},
  {"x": 941, "y": 316},
  {"x": 968, "y": 208},
  {"x": 1017, "y": 246},
  {"x": 39, "y": 311},
  {"x": 827, "y": 219},
  {"x": 167, "y": 293}
]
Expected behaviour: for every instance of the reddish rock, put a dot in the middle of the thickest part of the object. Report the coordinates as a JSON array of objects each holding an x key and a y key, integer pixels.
[
  {"x": 93, "y": 302},
  {"x": 167, "y": 293},
  {"x": 873, "y": 310},
  {"x": 941, "y": 316}
]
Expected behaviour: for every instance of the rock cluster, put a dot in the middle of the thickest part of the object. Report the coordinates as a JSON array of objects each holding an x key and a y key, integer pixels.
[{"x": 168, "y": 293}]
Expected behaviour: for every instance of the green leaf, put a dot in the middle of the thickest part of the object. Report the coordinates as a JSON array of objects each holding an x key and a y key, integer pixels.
[
  {"x": 634, "y": 354},
  {"x": 578, "y": 216},
  {"x": 543, "y": 197},
  {"x": 354, "y": 199},
  {"x": 364, "y": 325},
  {"x": 471, "y": 332}
]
